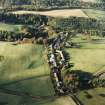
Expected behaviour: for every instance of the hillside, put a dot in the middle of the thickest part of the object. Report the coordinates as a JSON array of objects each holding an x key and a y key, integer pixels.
[
  {"x": 27, "y": 69},
  {"x": 25, "y": 77}
]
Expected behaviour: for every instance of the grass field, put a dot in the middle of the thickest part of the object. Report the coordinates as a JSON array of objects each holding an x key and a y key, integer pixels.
[
  {"x": 9, "y": 27},
  {"x": 24, "y": 69},
  {"x": 89, "y": 58},
  {"x": 6, "y": 99},
  {"x": 21, "y": 59},
  {"x": 92, "y": 96},
  {"x": 97, "y": 14}
]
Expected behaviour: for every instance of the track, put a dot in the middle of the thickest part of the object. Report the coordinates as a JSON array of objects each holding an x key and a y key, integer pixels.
[
  {"x": 75, "y": 99},
  {"x": 72, "y": 98}
]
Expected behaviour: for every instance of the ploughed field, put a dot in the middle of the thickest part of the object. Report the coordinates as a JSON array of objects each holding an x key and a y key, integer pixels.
[
  {"x": 93, "y": 1},
  {"x": 57, "y": 13},
  {"x": 86, "y": 13}
]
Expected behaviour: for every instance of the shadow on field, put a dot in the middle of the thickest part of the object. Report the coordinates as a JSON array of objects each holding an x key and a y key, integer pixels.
[
  {"x": 102, "y": 95},
  {"x": 84, "y": 78},
  {"x": 88, "y": 95},
  {"x": 3, "y": 103},
  {"x": 98, "y": 41},
  {"x": 80, "y": 79},
  {"x": 26, "y": 95},
  {"x": 16, "y": 91},
  {"x": 19, "y": 80}
]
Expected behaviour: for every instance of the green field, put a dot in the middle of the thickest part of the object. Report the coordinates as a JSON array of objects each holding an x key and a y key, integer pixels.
[
  {"x": 10, "y": 27},
  {"x": 92, "y": 96},
  {"x": 89, "y": 58},
  {"x": 23, "y": 68},
  {"x": 97, "y": 14}
]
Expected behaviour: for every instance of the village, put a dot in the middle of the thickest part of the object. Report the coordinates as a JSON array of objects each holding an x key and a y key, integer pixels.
[{"x": 52, "y": 52}]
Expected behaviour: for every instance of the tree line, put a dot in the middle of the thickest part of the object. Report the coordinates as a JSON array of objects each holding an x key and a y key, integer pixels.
[
  {"x": 10, "y": 36},
  {"x": 32, "y": 27},
  {"x": 29, "y": 19},
  {"x": 50, "y": 4},
  {"x": 78, "y": 24}
]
